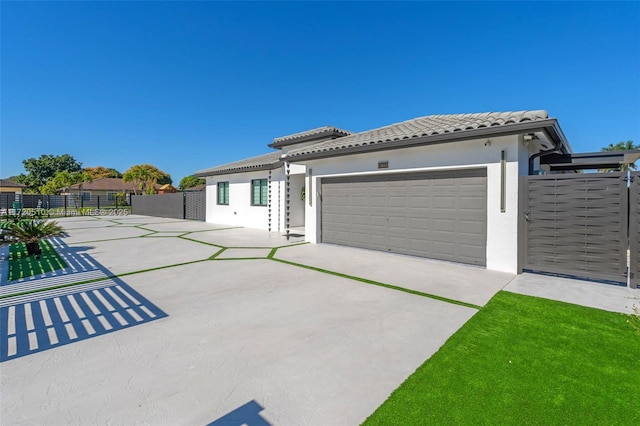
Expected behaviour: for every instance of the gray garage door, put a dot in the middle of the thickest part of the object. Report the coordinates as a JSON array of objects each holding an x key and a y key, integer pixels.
[{"x": 440, "y": 215}]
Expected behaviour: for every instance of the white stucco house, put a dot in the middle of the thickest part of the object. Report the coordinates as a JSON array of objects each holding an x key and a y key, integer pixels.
[{"x": 440, "y": 186}]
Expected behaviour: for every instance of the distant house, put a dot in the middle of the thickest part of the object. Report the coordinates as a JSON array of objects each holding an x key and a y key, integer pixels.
[
  {"x": 7, "y": 185},
  {"x": 201, "y": 187},
  {"x": 106, "y": 188},
  {"x": 167, "y": 189},
  {"x": 9, "y": 192}
]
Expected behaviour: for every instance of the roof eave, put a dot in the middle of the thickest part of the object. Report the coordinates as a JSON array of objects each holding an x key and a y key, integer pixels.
[
  {"x": 271, "y": 166},
  {"x": 556, "y": 133},
  {"x": 334, "y": 133},
  {"x": 549, "y": 125}
]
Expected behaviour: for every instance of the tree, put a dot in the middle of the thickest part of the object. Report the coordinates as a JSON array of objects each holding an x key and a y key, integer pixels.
[
  {"x": 164, "y": 179},
  {"x": 102, "y": 172},
  {"x": 622, "y": 146},
  {"x": 63, "y": 181},
  {"x": 40, "y": 170},
  {"x": 190, "y": 182},
  {"x": 31, "y": 232},
  {"x": 49, "y": 188},
  {"x": 144, "y": 177}
]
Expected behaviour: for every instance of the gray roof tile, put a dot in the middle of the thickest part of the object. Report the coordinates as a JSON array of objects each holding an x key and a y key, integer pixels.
[
  {"x": 430, "y": 125},
  {"x": 6, "y": 183},
  {"x": 310, "y": 135},
  {"x": 260, "y": 162}
]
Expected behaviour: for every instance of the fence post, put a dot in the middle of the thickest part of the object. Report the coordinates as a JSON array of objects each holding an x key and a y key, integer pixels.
[{"x": 184, "y": 205}]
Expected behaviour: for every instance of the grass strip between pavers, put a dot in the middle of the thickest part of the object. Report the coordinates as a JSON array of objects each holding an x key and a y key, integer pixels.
[
  {"x": 201, "y": 242},
  {"x": 367, "y": 281},
  {"x": 526, "y": 360},
  {"x": 6, "y": 296},
  {"x": 21, "y": 265}
]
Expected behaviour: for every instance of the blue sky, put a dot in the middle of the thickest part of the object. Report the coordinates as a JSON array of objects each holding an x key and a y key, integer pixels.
[{"x": 191, "y": 85}]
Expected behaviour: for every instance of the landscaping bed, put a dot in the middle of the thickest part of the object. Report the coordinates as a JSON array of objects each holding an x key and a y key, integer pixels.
[{"x": 21, "y": 265}]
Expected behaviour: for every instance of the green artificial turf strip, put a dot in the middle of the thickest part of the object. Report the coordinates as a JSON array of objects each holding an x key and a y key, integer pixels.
[
  {"x": 526, "y": 360},
  {"x": 367, "y": 281},
  {"x": 22, "y": 266}
]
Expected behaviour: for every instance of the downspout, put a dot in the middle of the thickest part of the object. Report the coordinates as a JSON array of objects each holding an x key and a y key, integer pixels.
[{"x": 556, "y": 148}]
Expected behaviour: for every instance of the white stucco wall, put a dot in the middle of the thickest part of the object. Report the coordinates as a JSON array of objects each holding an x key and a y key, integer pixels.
[
  {"x": 296, "y": 212},
  {"x": 502, "y": 228},
  {"x": 240, "y": 212}
]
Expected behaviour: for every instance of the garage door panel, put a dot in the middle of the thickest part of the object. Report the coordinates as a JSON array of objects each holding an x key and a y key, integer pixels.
[
  {"x": 419, "y": 202},
  {"x": 444, "y": 202},
  {"x": 377, "y": 201},
  {"x": 440, "y": 215},
  {"x": 377, "y": 220},
  {"x": 361, "y": 237},
  {"x": 397, "y": 242},
  {"x": 470, "y": 228},
  {"x": 359, "y": 201},
  {"x": 360, "y": 219},
  {"x": 443, "y": 248},
  {"x": 470, "y": 203},
  {"x": 397, "y": 222},
  {"x": 397, "y": 201},
  {"x": 419, "y": 245},
  {"x": 444, "y": 224}
]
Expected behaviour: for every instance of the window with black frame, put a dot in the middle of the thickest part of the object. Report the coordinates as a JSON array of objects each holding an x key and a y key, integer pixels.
[
  {"x": 223, "y": 193},
  {"x": 259, "y": 192}
]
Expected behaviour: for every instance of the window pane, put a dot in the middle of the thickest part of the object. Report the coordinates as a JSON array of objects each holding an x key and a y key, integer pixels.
[
  {"x": 259, "y": 192},
  {"x": 264, "y": 192},
  {"x": 256, "y": 192},
  {"x": 223, "y": 193}
]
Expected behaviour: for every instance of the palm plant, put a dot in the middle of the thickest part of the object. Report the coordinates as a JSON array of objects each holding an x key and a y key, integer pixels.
[
  {"x": 144, "y": 177},
  {"x": 31, "y": 232}
]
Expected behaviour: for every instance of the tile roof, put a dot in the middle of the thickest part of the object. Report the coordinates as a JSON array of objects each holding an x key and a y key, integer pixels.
[
  {"x": 422, "y": 127},
  {"x": 261, "y": 162},
  {"x": 6, "y": 183},
  {"x": 320, "y": 132}
]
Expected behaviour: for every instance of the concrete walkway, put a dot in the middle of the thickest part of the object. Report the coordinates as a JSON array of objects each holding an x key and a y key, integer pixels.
[
  {"x": 187, "y": 324},
  {"x": 592, "y": 294},
  {"x": 445, "y": 279},
  {"x": 162, "y": 321}
]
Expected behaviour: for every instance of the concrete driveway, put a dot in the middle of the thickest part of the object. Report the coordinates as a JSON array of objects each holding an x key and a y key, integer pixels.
[{"x": 179, "y": 322}]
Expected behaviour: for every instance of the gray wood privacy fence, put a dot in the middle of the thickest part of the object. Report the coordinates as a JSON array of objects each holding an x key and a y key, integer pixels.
[
  {"x": 179, "y": 205},
  {"x": 581, "y": 225},
  {"x": 634, "y": 229}
]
